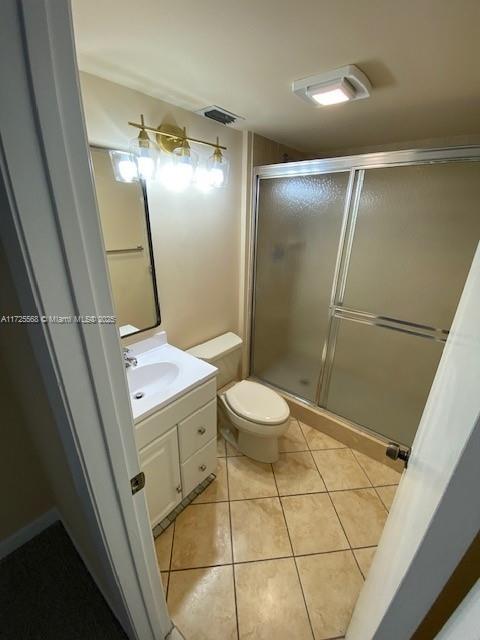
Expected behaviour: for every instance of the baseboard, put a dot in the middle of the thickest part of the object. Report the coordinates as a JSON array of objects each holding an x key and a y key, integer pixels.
[
  {"x": 341, "y": 430},
  {"x": 28, "y": 532}
]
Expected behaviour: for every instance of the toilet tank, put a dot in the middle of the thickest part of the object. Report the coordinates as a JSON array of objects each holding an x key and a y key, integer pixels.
[{"x": 225, "y": 353}]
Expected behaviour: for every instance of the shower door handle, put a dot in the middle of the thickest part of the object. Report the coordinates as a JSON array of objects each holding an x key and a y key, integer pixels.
[{"x": 395, "y": 452}]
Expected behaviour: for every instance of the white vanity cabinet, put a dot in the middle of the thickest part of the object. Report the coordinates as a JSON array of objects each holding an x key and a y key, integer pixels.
[{"x": 178, "y": 448}]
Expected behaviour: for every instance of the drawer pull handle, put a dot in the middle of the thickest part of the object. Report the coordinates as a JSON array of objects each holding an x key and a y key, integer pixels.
[
  {"x": 201, "y": 430},
  {"x": 179, "y": 488},
  {"x": 203, "y": 467}
]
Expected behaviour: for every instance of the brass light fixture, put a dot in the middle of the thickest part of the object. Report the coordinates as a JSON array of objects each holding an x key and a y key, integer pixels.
[{"x": 179, "y": 167}]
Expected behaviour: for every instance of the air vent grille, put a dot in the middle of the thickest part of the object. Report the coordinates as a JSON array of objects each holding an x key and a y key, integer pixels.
[{"x": 218, "y": 114}]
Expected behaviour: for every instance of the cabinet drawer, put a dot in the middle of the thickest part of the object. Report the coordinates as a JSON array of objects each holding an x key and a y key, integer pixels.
[
  {"x": 199, "y": 466},
  {"x": 195, "y": 431},
  {"x": 161, "y": 421}
]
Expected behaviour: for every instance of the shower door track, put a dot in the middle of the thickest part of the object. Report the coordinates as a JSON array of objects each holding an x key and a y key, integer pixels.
[{"x": 356, "y": 166}]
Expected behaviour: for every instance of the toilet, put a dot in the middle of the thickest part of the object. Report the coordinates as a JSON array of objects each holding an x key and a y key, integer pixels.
[{"x": 252, "y": 416}]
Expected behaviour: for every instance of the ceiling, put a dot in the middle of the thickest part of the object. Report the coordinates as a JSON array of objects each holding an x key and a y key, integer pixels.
[{"x": 421, "y": 56}]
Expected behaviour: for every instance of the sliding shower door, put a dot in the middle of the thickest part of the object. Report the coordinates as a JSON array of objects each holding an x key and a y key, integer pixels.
[
  {"x": 358, "y": 273},
  {"x": 299, "y": 226},
  {"x": 416, "y": 230}
]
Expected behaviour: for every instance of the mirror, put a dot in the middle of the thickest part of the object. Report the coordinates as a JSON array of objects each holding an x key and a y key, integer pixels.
[{"x": 125, "y": 225}]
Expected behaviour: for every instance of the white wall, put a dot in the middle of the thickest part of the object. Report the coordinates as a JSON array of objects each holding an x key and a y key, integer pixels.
[{"x": 196, "y": 236}]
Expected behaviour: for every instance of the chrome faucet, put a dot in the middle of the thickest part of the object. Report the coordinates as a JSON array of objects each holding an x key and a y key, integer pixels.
[{"x": 130, "y": 361}]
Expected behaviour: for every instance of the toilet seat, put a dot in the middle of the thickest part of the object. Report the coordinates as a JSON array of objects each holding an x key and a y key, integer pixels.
[{"x": 257, "y": 404}]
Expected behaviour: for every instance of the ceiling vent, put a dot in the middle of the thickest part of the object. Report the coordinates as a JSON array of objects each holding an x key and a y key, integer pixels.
[{"x": 219, "y": 115}]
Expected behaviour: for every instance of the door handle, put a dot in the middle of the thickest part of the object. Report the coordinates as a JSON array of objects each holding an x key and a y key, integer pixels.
[
  {"x": 203, "y": 467},
  {"x": 201, "y": 430}
]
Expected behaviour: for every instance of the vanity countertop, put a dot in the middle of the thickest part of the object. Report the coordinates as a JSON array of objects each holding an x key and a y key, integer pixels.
[{"x": 162, "y": 374}]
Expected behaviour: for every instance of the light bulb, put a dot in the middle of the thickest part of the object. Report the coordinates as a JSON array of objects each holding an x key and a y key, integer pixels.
[
  {"x": 217, "y": 177},
  {"x": 176, "y": 176},
  {"x": 124, "y": 167},
  {"x": 217, "y": 168},
  {"x": 203, "y": 180},
  {"x": 127, "y": 170},
  {"x": 146, "y": 167}
]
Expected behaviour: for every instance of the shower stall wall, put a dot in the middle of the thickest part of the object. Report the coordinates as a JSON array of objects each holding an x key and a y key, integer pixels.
[{"x": 359, "y": 266}]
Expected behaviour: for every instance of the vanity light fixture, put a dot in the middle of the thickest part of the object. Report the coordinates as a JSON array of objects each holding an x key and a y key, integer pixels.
[
  {"x": 145, "y": 153},
  {"x": 171, "y": 159},
  {"x": 341, "y": 85}
]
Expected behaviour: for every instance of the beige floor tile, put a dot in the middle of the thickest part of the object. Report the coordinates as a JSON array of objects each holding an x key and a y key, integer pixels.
[
  {"x": 165, "y": 575},
  {"x": 364, "y": 558},
  {"x": 296, "y": 472},
  {"x": 217, "y": 490},
  {"x": 318, "y": 440},
  {"x": 340, "y": 470},
  {"x": 202, "y": 603},
  {"x": 362, "y": 515},
  {"x": 221, "y": 451},
  {"x": 293, "y": 440},
  {"x": 163, "y": 548},
  {"x": 270, "y": 602},
  {"x": 202, "y": 536},
  {"x": 258, "y": 530},
  {"x": 378, "y": 473},
  {"x": 331, "y": 583},
  {"x": 313, "y": 524},
  {"x": 250, "y": 479},
  {"x": 387, "y": 494}
]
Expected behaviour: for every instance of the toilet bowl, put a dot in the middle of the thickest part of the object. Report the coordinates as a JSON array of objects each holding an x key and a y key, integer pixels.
[
  {"x": 258, "y": 415},
  {"x": 252, "y": 416}
]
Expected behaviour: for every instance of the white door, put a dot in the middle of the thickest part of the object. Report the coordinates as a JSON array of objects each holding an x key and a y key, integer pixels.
[
  {"x": 159, "y": 462},
  {"x": 436, "y": 511}
]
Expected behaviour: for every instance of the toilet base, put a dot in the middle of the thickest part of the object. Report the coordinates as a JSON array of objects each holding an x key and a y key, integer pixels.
[{"x": 260, "y": 449}]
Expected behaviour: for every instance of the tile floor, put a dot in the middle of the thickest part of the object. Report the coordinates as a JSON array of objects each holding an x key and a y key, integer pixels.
[{"x": 280, "y": 551}]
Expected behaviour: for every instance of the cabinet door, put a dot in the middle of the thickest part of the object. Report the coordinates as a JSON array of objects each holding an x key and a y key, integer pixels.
[{"x": 160, "y": 464}]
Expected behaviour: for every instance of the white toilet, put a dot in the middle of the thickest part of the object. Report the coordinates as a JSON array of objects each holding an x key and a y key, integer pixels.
[{"x": 251, "y": 416}]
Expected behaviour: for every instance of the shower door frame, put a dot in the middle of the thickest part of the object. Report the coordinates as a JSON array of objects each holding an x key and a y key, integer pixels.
[{"x": 356, "y": 166}]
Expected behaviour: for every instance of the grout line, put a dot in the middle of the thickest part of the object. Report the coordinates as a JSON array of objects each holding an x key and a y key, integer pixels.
[
  {"x": 381, "y": 501},
  {"x": 231, "y": 544},
  {"x": 170, "y": 563},
  {"x": 293, "y": 556},
  {"x": 294, "y": 560},
  {"x": 339, "y": 520}
]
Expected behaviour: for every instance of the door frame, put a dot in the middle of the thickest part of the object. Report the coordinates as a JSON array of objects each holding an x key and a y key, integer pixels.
[{"x": 54, "y": 249}]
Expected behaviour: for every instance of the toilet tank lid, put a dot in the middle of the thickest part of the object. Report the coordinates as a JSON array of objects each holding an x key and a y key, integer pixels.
[{"x": 217, "y": 347}]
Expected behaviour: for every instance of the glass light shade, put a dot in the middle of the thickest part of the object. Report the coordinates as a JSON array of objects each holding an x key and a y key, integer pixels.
[
  {"x": 145, "y": 153},
  {"x": 178, "y": 170},
  {"x": 217, "y": 166},
  {"x": 124, "y": 166}
]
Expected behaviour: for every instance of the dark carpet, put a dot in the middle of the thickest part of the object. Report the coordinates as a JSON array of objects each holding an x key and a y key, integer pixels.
[{"x": 46, "y": 593}]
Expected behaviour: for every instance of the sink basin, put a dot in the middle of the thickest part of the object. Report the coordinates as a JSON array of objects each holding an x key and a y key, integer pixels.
[
  {"x": 162, "y": 374},
  {"x": 151, "y": 377}
]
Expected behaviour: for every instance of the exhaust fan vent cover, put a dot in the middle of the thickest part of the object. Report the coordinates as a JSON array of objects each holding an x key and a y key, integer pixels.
[{"x": 219, "y": 115}]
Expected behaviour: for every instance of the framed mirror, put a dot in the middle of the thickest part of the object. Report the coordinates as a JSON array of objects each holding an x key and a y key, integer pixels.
[{"x": 125, "y": 223}]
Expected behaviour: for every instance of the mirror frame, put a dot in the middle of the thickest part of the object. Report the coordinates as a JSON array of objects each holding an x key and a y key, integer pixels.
[{"x": 143, "y": 188}]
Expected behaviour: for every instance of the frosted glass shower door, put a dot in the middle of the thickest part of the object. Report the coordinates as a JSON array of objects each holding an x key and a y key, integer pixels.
[
  {"x": 299, "y": 225},
  {"x": 416, "y": 231}
]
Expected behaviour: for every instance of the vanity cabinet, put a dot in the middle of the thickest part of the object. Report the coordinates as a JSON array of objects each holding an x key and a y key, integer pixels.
[
  {"x": 159, "y": 462},
  {"x": 178, "y": 448}
]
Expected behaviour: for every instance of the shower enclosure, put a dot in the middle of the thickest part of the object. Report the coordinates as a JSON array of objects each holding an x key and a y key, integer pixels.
[{"x": 359, "y": 266}]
